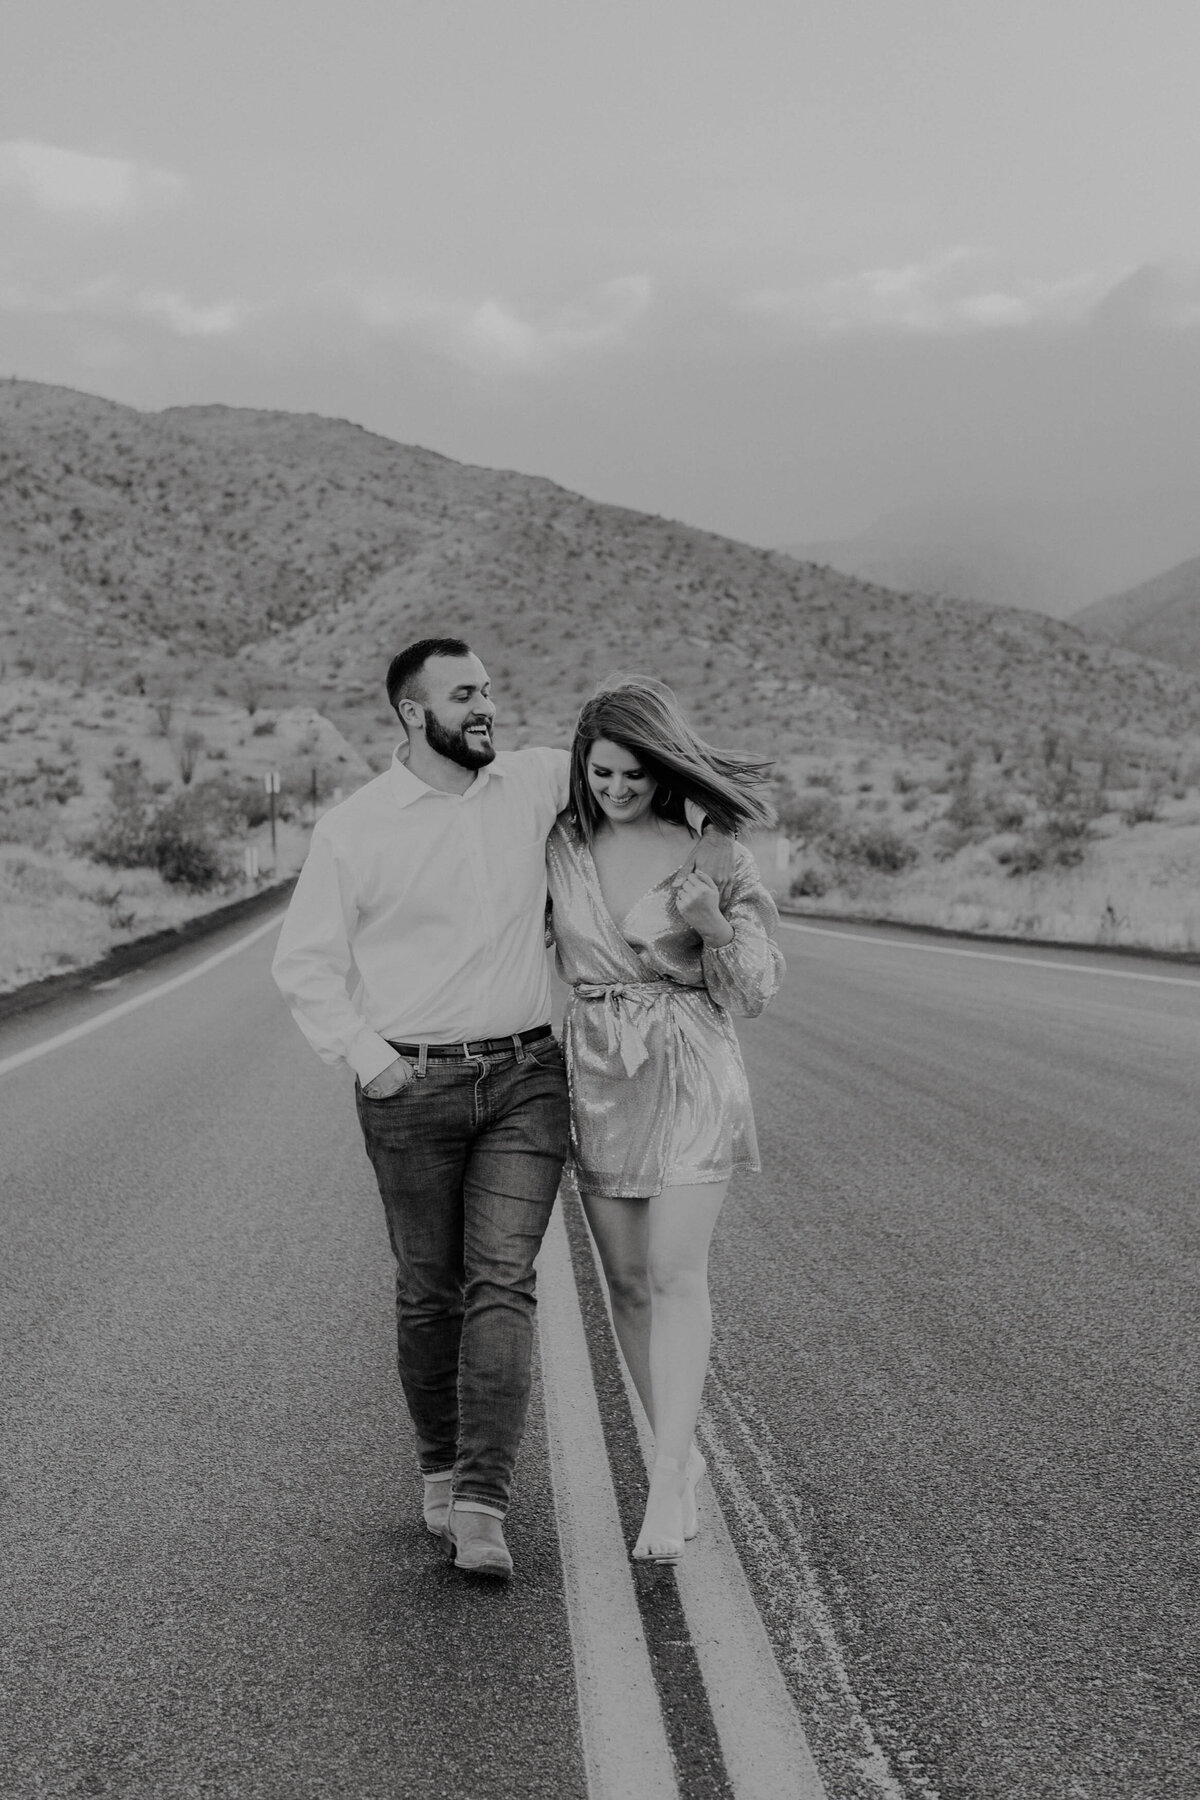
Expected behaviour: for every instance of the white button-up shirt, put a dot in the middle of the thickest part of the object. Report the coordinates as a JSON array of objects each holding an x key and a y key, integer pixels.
[{"x": 419, "y": 916}]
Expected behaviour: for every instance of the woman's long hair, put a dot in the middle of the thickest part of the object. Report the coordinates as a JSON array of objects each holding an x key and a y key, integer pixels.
[{"x": 644, "y": 717}]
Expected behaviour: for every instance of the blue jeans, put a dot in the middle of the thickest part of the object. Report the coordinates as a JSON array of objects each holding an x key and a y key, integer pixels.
[{"x": 468, "y": 1159}]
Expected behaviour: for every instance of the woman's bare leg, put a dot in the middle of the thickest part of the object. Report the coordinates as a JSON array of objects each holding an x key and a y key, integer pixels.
[
  {"x": 681, "y": 1222},
  {"x": 621, "y": 1232}
]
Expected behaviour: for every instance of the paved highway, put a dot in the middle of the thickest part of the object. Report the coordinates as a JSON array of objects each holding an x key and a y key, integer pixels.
[
  {"x": 958, "y": 1354},
  {"x": 952, "y": 1416}
]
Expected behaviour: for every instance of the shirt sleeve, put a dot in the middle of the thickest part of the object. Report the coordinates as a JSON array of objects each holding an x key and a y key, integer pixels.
[
  {"x": 558, "y": 771},
  {"x": 313, "y": 961},
  {"x": 744, "y": 974}
]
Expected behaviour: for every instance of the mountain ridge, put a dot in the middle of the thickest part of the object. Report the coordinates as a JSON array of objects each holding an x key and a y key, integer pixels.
[
  {"x": 1158, "y": 618},
  {"x": 1050, "y": 558},
  {"x": 217, "y": 545}
]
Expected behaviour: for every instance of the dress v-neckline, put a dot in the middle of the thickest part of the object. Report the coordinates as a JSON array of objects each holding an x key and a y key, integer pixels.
[{"x": 632, "y": 908}]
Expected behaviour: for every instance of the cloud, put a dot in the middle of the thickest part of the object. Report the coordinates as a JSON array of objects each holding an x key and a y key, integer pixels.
[
  {"x": 949, "y": 292},
  {"x": 70, "y": 184},
  {"x": 187, "y": 319},
  {"x": 111, "y": 298},
  {"x": 490, "y": 335}
]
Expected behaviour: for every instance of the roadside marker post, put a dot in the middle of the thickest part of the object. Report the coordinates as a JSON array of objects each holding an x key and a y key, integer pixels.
[{"x": 271, "y": 783}]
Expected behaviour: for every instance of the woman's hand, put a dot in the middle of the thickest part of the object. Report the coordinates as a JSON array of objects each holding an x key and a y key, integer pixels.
[
  {"x": 713, "y": 855},
  {"x": 699, "y": 904}
]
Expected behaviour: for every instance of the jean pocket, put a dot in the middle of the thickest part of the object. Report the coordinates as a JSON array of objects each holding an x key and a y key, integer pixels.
[
  {"x": 547, "y": 1055},
  {"x": 390, "y": 1099}
]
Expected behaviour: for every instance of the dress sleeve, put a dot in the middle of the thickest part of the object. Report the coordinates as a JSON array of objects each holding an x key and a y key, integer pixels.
[{"x": 744, "y": 974}]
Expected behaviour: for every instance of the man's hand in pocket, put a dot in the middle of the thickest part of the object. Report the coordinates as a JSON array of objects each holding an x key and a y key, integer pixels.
[{"x": 389, "y": 1081}]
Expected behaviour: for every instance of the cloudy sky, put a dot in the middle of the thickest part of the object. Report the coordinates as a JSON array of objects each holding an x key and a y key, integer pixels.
[{"x": 774, "y": 268}]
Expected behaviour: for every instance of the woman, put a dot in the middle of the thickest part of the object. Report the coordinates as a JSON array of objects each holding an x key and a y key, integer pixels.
[{"x": 657, "y": 960}]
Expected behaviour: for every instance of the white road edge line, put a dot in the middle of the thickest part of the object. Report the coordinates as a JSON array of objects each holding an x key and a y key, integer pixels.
[
  {"x": 127, "y": 1006},
  {"x": 1028, "y": 962},
  {"x": 761, "y": 1737},
  {"x": 625, "y": 1746}
]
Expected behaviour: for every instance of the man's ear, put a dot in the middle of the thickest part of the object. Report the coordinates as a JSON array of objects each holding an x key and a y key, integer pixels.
[{"x": 411, "y": 715}]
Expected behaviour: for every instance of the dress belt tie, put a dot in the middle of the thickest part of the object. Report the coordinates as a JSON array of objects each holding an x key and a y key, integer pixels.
[{"x": 624, "y": 1031}]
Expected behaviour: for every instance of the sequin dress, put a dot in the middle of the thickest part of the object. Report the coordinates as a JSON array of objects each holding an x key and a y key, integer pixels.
[{"x": 658, "y": 1089}]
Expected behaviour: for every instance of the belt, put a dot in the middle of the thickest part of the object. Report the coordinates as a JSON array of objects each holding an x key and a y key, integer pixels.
[
  {"x": 624, "y": 1030},
  {"x": 478, "y": 1046}
]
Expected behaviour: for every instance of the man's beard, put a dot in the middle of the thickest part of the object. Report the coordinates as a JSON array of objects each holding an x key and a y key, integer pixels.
[{"x": 455, "y": 746}]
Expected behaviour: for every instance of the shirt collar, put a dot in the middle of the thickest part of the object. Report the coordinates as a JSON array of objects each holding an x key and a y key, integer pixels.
[{"x": 407, "y": 787}]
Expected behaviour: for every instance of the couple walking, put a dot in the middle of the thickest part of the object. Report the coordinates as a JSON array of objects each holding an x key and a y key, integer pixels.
[{"x": 414, "y": 950}]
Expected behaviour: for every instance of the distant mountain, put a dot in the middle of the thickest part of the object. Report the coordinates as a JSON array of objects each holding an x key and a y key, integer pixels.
[
  {"x": 202, "y": 547},
  {"x": 1157, "y": 618},
  {"x": 1050, "y": 559}
]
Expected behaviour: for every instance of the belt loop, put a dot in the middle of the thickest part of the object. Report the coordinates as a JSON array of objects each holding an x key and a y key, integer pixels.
[
  {"x": 518, "y": 1046},
  {"x": 422, "y": 1061}
]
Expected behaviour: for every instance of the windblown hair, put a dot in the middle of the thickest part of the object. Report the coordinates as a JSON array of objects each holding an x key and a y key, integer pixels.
[
  {"x": 405, "y": 670},
  {"x": 644, "y": 717}
]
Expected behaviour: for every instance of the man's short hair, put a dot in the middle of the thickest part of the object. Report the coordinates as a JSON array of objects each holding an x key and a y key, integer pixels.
[{"x": 405, "y": 671}]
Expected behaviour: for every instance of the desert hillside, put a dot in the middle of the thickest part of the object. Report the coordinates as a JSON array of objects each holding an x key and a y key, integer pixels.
[
  {"x": 208, "y": 546},
  {"x": 1159, "y": 618},
  {"x": 194, "y": 598}
]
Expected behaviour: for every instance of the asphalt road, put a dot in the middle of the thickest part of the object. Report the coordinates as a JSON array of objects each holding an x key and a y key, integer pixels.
[
  {"x": 954, "y": 1398},
  {"x": 961, "y": 1315},
  {"x": 218, "y": 1582}
]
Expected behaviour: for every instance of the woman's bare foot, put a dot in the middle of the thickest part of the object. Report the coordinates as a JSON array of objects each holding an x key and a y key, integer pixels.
[
  {"x": 661, "y": 1537},
  {"x": 694, "y": 1472}
]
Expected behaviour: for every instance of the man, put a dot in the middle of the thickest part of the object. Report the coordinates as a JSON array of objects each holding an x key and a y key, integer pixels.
[{"x": 413, "y": 949}]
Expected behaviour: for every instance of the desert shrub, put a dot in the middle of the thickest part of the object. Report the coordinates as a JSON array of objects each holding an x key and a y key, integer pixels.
[
  {"x": 216, "y": 807},
  {"x": 296, "y": 788},
  {"x": 51, "y": 781},
  {"x": 30, "y": 825},
  {"x": 1146, "y": 802},
  {"x": 1058, "y": 841},
  {"x": 966, "y": 811},
  {"x": 189, "y": 747},
  {"x": 186, "y": 859},
  {"x": 27, "y": 795},
  {"x": 882, "y": 848},
  {"x": 808, "y": 816},
  {"x": 1008, "y": 815},
  {"x": 825, "y": 777},
  {"x": 180, "y": 837},
  {"x": 119, "y": 838},
  {"x": 809, "y": 883}
]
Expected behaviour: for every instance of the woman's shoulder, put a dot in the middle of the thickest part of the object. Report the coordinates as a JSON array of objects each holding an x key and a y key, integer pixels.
[{"x": 565, "y": 839}]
